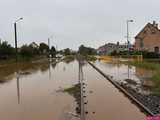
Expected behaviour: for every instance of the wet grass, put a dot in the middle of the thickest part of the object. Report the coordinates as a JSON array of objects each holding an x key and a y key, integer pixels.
[
  {"x": 91, "y": 58},
  {"x": 69, "y": 58},
  {"x": 7, "y": 61},
  {"x": 146, "y": 65},
  {"x": 87, "y": 57},
  {"x": 20, "y": 60},
  {"x": 75, "y": 91},
  {"x": 155, "y": 77}
]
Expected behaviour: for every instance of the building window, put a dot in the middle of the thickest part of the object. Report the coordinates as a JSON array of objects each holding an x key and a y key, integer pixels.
[
  {"x": 141, "y": 43},
  {"x": 156, "y": 49}
]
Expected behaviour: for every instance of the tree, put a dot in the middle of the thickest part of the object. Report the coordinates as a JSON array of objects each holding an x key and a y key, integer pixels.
[
  {"x": 67, "y": 51},
  {"x": 26, "y": 51},
  {"x": 43, "y": 48},
  {"x": 53, "y": 51},
  {"x": 6, "y": 50},
  {"x": 34, "y": 48},
  {"x": 86, "y": 50}
]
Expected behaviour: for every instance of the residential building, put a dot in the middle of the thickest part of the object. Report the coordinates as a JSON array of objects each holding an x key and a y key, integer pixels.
[
  {"x": 148, "y": 38},
  {"x": 106, "y": 49},
  {"x": 110, "y": 47}
]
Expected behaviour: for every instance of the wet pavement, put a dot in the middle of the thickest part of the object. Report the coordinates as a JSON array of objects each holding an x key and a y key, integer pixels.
[{"x": 37, "y": 94}]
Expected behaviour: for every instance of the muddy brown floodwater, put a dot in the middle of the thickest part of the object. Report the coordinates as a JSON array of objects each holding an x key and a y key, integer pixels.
[
  {"x": 36, "y": 94},
  {"x": 105, "y": 102}
]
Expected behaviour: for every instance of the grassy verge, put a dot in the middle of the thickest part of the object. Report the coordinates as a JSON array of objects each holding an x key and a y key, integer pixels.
[
  {"x": 69, "y": 58},
  {"x": 7, "y": 61},
  {"x": 91, "y": 58},
  {"x": 146, "y": 65},
  {"x": 20, "y": 59},
  {"x": 155, "y": 77},
  {"x": 75, "y": 91},
  {"x": 87, "y": 57}
]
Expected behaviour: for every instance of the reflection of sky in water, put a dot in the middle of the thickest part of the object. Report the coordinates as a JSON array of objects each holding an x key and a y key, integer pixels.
[
  {"x": 33, "y": 96},
  {"x": 8, "y": 72},
  {"x": 120, "y": 71}
]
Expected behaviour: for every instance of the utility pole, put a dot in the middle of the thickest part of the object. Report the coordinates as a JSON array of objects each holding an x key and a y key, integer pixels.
[
  {"x": 128, "y": 42},
  {"x": 49, "y": 43},
  {"x": 15, "y": 32}
]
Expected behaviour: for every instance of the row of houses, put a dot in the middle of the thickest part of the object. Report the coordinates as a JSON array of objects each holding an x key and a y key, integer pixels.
[
  {"x": 148, "y": 39},
  {"x": 110, "y": 47}
]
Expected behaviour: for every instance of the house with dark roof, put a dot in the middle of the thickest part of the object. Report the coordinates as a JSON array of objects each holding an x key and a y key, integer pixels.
[
  {"x": 148, "y": 38},
  {"x": 110, "y": 47}
]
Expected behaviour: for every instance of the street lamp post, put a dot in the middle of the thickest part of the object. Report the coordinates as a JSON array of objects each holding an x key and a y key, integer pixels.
[
  {"x": 15, "y": 32},
  {"x": 128, "y": 21},
  {"x": 49, "y": 43}
]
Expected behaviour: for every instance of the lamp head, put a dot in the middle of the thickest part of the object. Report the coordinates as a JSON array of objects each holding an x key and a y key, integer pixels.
[
  {"x": 19, "y": 19},
  {"x": 130, "y": 21}
]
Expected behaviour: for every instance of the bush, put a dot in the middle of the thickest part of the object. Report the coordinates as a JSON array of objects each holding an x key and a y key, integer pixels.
[
  {"x": 86, "y": 50},
  {"x": 145, "y": 54},
  {"x": 6, "y": 50},
  {"x": 26, "y": 51},
  {"x": 150, "y": 54}
]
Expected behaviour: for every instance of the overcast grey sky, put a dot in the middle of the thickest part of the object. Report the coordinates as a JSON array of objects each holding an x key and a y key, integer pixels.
[{"x": 74, "y": 22}]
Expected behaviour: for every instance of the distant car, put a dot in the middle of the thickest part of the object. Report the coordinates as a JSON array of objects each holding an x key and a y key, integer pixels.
[{"x": 59, "y": 56}]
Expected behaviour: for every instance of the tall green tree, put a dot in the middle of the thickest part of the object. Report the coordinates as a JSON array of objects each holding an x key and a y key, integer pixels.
[
  {"x": 53, "y": 51},
  {"x": 6, "y": 50},
  {"x": 67, "y": 51},
  {"x": 86, "y": 50},
  {"x": 43, "y": 48},
  {"x": 26, "y": 51}
]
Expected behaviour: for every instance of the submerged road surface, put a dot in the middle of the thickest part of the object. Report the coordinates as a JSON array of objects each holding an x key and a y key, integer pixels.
[
  {"x": 37, "y": 94},
  {"x": 104, "y": 101}
]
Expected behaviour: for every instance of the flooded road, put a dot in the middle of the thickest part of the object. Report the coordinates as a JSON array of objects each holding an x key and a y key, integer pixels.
[
  {"x": 107, "y": 102},
  {"x": 137, "y": 78},
  {"x": 37, "y": 94}
]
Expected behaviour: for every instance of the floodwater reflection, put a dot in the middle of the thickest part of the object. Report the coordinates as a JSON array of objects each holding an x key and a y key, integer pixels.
[
  {"x": 31, "y": 94},
  {"x": 36, "y": 92},
  {"x": 135, "y": 77},
  {"x": 105, "y": 102},
  {"x": 18, "y": 90},
  {"x": 8, "y": 72},
  {"x": 120, "y": 71}
]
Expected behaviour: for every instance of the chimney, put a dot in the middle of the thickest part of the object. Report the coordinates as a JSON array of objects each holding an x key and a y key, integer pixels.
[{"x": 155, "y": 24}]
